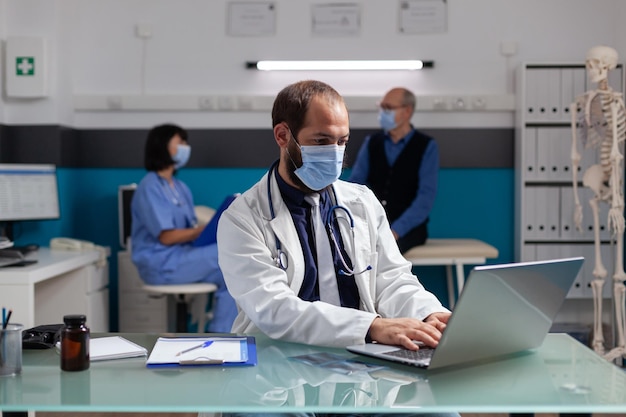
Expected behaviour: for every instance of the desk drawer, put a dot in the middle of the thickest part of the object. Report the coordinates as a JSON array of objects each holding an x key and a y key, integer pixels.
[{"x": 98, "y": 278}]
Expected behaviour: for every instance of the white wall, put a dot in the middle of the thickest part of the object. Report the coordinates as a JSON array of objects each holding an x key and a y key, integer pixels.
[
  {"x": 2, "y": 36},
  {"x": 92, "y": 49}
]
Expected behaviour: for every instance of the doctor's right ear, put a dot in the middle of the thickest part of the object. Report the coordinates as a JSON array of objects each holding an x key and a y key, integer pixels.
[{"x": 282, "y": 134}]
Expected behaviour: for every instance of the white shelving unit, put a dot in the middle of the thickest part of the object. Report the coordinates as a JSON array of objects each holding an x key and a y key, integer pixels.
[{"x": 544, "y": 206}]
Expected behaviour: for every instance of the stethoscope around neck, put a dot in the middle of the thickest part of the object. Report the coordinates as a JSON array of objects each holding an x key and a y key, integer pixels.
[
  {"x": 281, "y": 257},
  {"x": 170, "y": 192}
]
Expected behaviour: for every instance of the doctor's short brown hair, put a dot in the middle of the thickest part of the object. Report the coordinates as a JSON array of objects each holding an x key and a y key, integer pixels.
[{"x": 292, "y": 102}]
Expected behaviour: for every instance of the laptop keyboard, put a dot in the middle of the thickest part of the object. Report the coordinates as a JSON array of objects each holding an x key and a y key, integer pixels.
[{"x": 414, "y": 355}]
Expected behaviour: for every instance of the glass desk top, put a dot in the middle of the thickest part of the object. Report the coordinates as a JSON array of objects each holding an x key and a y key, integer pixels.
[{"x": 561, "y": 376}]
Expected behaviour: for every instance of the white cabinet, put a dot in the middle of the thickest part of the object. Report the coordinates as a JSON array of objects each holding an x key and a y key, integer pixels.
[
  {"x": 138, "y": 311},
  {"x": 544, "y": 207},
  {"x": 60, "y": 283}
]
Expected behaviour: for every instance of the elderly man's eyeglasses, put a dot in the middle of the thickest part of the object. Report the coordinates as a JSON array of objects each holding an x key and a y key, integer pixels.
[{"x": 388, "y": 107}]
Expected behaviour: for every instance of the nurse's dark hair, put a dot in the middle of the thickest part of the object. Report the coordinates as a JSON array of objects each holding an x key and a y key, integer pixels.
[
  {"x": 156, "y": 155},
  {"x": 292, "y": 103}
]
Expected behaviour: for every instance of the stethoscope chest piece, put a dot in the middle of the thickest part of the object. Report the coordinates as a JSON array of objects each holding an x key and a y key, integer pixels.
[
  {"x": 281, "y": 257},
  {"x": 281, "y": 260}
]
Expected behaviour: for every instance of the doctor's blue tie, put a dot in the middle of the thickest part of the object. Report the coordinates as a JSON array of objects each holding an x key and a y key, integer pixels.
[{"x": 326, "y": 277}]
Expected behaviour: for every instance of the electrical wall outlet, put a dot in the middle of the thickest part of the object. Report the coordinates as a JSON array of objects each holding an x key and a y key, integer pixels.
[
  {"x": 479, "y": 103},
  {"x": 460, "y": 103},
  {"x": 439, "y": 103},
  {"x": 245, "y": 103},
  {"x": 226, "y": 103},
  {"x": 207, "y": 103},
  {"x": 114, "y": 102}
]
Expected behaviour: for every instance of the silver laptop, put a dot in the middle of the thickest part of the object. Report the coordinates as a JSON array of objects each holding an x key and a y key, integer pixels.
[{"x": 502, "y": 310}]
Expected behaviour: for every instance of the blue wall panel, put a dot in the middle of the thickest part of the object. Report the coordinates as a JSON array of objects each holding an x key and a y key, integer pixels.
[{"x": 471, "y": 203}]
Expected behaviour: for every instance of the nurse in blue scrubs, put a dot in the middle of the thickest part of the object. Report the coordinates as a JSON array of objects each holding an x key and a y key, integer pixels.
[{"x": 164, "y": 225}]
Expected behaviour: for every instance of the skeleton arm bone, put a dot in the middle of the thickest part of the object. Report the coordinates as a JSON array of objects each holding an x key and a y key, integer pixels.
[
  {"x": 575, "y": 156},
  {"x": 616, "y": 217}
]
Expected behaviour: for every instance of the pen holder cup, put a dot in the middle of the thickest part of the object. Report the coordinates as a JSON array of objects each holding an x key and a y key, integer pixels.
[{"x": 11, "y": 350}]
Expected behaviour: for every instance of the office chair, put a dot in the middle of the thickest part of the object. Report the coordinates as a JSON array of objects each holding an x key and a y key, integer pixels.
[{"x": 183, "y": 294}]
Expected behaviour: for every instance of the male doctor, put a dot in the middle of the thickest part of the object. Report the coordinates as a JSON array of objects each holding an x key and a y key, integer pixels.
[{"x": 354, "y": 285}]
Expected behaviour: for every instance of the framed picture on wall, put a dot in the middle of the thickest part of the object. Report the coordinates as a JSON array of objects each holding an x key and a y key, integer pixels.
[
  {"x": 342, "y": 19},
  {"x": 251, "y": 19},
  {"x": 423, "y": 16}
]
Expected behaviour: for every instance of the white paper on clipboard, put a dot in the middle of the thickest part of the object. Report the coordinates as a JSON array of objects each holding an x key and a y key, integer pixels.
[{"x": 227, "y": 349}]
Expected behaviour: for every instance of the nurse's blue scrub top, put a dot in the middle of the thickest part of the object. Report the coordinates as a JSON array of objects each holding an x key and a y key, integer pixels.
[{"x": 157, "y": 207}]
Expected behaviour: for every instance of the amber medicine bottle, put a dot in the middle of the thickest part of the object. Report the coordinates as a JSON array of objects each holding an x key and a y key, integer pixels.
[{"x": 75, "y": 343}]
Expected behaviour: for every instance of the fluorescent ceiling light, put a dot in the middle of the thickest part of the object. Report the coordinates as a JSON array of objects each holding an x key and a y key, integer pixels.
[{"x": 407, "y": 65}]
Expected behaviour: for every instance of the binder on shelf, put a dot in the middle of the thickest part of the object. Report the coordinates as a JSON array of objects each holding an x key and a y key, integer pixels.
[
  {"x": 563, "y": 137},
  {"x": 568, "y": 227},
  {"x": 553, "y": 104},
  {"x": 530, "y": 153},
  {"x": 532, "y": 100},
  {"x": 553, "y": 214},
  {"x": 545, "y": 154},
  {"x": 572, "y": 85},
  {"x": 543, "y": 94},
  {"x": 203, "y": 351},
  {"x": 529, "y": 215}
]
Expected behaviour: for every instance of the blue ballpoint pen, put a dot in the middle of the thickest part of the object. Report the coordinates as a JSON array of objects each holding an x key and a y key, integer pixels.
[{"x": 205, "y": 344}]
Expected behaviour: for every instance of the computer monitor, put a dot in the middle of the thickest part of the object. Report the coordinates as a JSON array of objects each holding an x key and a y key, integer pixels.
[
  {"x": 27, "y": 192},
  {"x": 124, "y": 199}
]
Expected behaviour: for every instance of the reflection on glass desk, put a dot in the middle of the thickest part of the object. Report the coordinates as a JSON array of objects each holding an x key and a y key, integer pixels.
[{"x": 561, "y": 376}]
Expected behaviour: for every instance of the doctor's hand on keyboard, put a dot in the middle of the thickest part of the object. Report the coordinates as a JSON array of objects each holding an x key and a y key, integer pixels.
[{"x": 404, "y": 332}]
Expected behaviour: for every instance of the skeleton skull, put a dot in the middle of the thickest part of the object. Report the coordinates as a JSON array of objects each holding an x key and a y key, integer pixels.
[{"x": 600, "y": 59}]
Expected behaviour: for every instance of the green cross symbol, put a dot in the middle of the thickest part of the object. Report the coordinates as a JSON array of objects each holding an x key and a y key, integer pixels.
[{"x": 24, "y": 65}]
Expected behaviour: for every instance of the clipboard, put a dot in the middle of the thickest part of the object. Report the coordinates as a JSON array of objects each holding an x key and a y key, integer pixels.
[
  {"x": 209, "y": 233},
  {"x": 203, "y": 351}
]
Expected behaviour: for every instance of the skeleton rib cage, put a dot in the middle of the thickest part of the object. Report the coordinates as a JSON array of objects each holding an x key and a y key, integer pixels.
[{"x": 593, "y": 124}]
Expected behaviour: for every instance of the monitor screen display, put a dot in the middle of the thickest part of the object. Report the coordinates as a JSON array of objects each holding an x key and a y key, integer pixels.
[{"x": 28, "y": 192}]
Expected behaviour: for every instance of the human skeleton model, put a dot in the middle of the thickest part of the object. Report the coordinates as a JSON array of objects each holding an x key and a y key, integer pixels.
[{"x": 601, "y": 126}]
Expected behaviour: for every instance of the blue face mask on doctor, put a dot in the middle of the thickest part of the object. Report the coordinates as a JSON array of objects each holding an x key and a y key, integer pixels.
[{"x": 321, "y": 165}]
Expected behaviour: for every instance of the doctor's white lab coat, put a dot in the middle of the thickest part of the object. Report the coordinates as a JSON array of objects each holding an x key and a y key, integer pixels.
[{"x": 267, "y": 296}]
